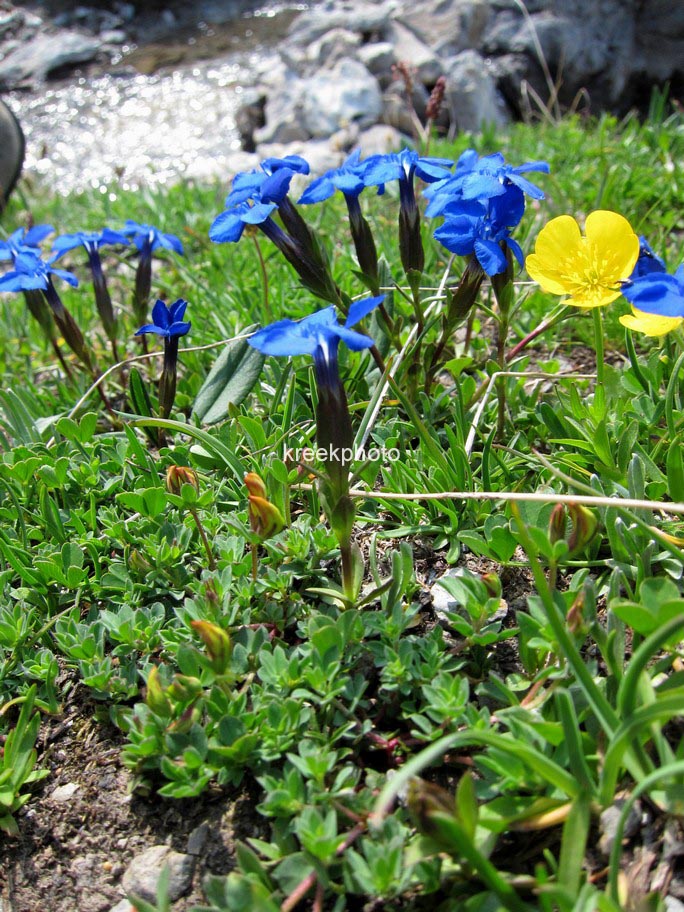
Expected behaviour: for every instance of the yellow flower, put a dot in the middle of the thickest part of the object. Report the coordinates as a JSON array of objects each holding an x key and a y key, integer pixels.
[
  {"x": 587, "y": 268},
  {"x": 650, "y": 324}
]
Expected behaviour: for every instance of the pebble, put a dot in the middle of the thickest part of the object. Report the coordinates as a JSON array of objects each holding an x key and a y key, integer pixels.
[
  {"x": 142, "y": 875},
  {"x": 64, "y": 793}
]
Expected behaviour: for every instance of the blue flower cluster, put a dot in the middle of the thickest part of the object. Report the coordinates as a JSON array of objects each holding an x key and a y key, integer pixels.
[{"x": 482, "y": 202}]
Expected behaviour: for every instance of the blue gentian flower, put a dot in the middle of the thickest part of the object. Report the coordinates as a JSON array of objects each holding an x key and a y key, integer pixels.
[
  {"x": 148, "y": 238},
  {"x": 403, "y": 166},
  {"x": 32, "y": 272},
  {"x": 167, "y": 320},
  {"x": 350, "y": 180},
  {"x": 254, "y": 198},
  {"x": 229, "y": 225},
  {"x": 168, "y": 323},
  {"x": 23, "y": 240},
  {"x": 648, "y": 261},
  {"x": 472, "y": 227},
  {"x": 657, "y": 293},
  {"x": 91, "y": 240},
  {"x": 318, "y": 335},
  {"x": 490, "y": 176},
  {"x": 482, "y": 179}
]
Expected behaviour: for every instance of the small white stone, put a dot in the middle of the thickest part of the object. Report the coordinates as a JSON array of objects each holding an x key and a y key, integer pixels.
[{"x": 64, "y": 793}]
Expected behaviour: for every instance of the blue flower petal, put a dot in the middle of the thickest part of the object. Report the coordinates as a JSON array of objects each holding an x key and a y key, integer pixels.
[
  {"x": 66, "y": 276},
  {"x": 227, "y": 227},
  {"x": 151, "y": 328},
  {"x": 177, "y": 310},
  {"x": 361, "y": 309},
  {"x": 322, "y": 188},
  {"x": 526, "y": 186},
  {"x": 179, "y": 329},
  {"x": 160, "y": 315},
  {"x": 490, "y": 256},
  {"x": 284, "y": 337},
  {"x": 35, "y": 235},
  {"x": 354, "y": 340},
  {"x": 657, "y": 293},
  {"x": 258, "y": 213},
  {"x": 517, "y": 251}
]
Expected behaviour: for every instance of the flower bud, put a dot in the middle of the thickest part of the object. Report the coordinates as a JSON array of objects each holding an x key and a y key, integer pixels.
[
  {"x": 425, "y": 800},
  {"x": 492, "y": 584},
  {"x": 155, "y": 698},
  {"x": 584, "y": 527},
  {"x": 217, "y": 643},
  {"x": 139, "y": 563},
  {"x": 436, "y": 99},
  {"x": 264, "y": 518},
  {"x": 575, "y": 616},
  {"x": 177, "y": 476},
  {"x": 557, "y": 523},
  {"x": 185, "y": 688},
  {"x": 255, "y": 485}
]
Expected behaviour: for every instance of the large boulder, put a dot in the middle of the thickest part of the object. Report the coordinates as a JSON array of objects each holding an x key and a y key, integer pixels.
[
  {"x": 12, "y": 148},
  {"x": 44, "y": 54},
  {"x": 346, "y": 94}
]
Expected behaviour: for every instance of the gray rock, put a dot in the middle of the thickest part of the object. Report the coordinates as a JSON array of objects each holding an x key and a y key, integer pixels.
[
  {"x": 10, "y": 21},
  {"x": 672, "y": 904},
  {"x": 123, "y": 906},
  {"x": 12, "y": 149},
  {"x": 197, "y": 839},
  {"x": 378, "y": 59},
  {"x": 380, "y": 139},
  {"x": 409, "y": 48},
  {"x": 448, "y": 26},
  {"x": 365, "y": 18},
  {"x": 444, "y": 604},
  {"x": 608, "y": 822},
  {"x": 333, "y": 46},
  {"x": 346, "y": 94},
  {"x": 64, "y": 793},
  {"x": 38, "y": 57},
  {"x": 471, "y": 97},
  {"x": 250, "y": 116},
  {"x": 141, "y": 877},
  {"x": 397, "y": 112},
  {"x": 659, "y": 33},
  {"x": 283, "y": 114}
]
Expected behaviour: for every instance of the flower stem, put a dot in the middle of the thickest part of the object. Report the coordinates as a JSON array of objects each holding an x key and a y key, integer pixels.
[
  {"x": 543, "y": 326},
  {"x": 264, "y": 277},
  {"x": 598, "y": 345},
  {"x": 211, "y": 562},
  {"x": 347, "y": 571}
]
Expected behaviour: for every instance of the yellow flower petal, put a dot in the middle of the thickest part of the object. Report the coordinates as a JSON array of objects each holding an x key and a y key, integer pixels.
[
  {"x": 615, "y": 245},
  {"x": 557, "y": 238},
  {"x": 650, "y": 324},
  {"x": 587, "y": 269}
]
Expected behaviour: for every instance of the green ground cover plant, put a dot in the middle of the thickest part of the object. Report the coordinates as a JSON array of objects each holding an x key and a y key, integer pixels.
[{"x": 237, "y": 457}]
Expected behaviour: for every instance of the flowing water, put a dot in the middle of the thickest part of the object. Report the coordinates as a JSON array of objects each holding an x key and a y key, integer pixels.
[{"x": 162, "y": 111}]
